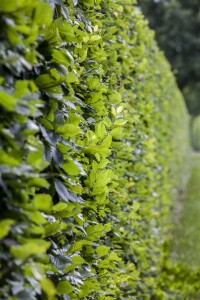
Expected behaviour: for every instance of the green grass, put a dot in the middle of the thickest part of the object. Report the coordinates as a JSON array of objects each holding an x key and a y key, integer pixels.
[{"x": 185, "y": 239}]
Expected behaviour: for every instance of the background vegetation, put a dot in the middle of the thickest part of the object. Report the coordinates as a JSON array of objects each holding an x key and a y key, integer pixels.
[
  {"x": 195, "y": 133},
  {"x": 177, "y": 25},
  {"x": 93, "y": 135}
]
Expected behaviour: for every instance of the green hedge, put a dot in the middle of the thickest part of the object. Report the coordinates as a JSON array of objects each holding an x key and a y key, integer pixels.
[
  {"x": 93, "y": 135},
  {"x": 195, "y": 133}
]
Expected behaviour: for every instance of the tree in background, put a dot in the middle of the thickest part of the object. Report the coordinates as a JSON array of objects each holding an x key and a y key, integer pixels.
[{"x": 177, "y": 26}]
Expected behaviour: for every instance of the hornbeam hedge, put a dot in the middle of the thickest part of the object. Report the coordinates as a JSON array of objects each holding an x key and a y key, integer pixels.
[{"x": 93, "y": 132}]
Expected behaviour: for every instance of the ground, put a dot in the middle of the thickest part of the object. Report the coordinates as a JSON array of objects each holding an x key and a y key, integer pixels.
[{"x": 185, "y": 239}]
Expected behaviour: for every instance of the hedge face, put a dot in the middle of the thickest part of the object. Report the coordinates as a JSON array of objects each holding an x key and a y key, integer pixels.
[{"x": 91, "y": 126}]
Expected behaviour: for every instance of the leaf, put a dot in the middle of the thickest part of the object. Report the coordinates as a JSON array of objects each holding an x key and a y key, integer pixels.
[
  {"x": 100, "y": 130},
  {"x": 48, "y": 152},
  {"x": 64, "y": 193},
  {"x": 9, "y": 160},
  {"x": 94, "y": 232},
  {"x": 36, "y": 217},
  {"x": 58, "y": 157},
  {"x": 43, "y": 14},
  {"x": 30, "y": 248},
  {"x": 73, "y": 168},
  {"x": 77, "y": 246},
  {"x": 41, "y": 182},
  {"x": 120, "y": 122},
  {"x": 5, "y": 226},
  {"x": 62, "y": 57},
  {"x": 65, "y": 12},
  {"x": 78, "y": 260},
  {"x": 54, "y": 228},
  {"x": 113, "y": 256},
  {"x": 102, "y": 250},
  {"x": 48, "y": 287},
  {"x": 7, "y": 7},
  {"x": 67, "y": 31},
  {"x": 115, "y": 98},
  {"x": 69, "y": 130},
  {"x": 35, "y": 159},
  {"x": 61, "y": 190},
  {"x": 46, "y": 81},
  {"x": 7, "y": 101},
  {"x": 60, "y": 261},
  {"x": 50, "y": 136},
  {"x": 63, "y": 210},
  {"x": 64, "y": 287},
  {"x": 116, "y": 132},
  {"x": 43, "y": 202}
]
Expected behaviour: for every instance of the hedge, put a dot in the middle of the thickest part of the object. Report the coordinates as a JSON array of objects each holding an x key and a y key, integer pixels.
[
  {"x": 195, "y": 133},
  {"x": 93, "y": 135}
]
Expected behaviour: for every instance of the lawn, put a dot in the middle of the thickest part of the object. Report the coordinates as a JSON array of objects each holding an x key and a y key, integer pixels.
[{"x": 185, "y": 241}]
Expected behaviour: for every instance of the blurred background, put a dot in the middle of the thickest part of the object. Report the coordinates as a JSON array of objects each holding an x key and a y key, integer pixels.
[{"x": 177, "y": 29}]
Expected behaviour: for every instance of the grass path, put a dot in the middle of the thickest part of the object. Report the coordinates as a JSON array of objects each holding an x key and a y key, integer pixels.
[{"x": 185, "y": 244}]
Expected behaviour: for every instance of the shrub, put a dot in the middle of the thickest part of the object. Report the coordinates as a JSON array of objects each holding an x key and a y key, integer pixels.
[
  {"x": 195, "y": 133},
  {"x": 93, "y": 135}
]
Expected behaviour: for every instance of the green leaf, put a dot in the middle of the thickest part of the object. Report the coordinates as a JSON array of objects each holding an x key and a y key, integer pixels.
[
  {"x": 46, "y": 81},
  {"x": 69, "y": 130},
  {"x": 9, "y": 160},
  {"x": 64, "y": 287},
  {"x": 102, "y": 250},
  {"x": 115, "y": 97},
  {"x": 67, "y": 31},
  {"x": 100, "y": 130},
  {"x": 77, "y": 246},
  {"x": 48, "y": 287},
  {"x": 64, "y": 210},
  {"x": 73, "y": 168},
  {"x": 62, "y": 57},
  {"x": 113, "y": 256},
  {"x": 43, "y": 202},
  {"x": 54, "y": 228},
  {"x": 40, "y": 182},
  {"x": 5, "y": 226},
  {"x": 120, "y": 122},
  {"x": 7, "y": 101},
  {"x": 77, "y": 260},
  {"x": 36, "y": 217},
  {"x": 7, "y": 7},
  {"x": 30, "y": 248},
  {"x": 43, "y": 14}
]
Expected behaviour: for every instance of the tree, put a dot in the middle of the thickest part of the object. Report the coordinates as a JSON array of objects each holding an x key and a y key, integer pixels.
[{"x": 177, "y": 26}]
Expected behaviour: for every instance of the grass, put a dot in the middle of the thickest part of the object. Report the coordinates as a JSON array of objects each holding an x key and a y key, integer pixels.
[{"x": 185, "y": 239}]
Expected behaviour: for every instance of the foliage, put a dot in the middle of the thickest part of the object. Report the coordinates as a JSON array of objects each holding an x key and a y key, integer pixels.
[
  {"x": 91, "y": 128},
  {"x": 195, "y": 133},
  {"x": 178, "y": 281},
  {"x": 179, "y": 39}
]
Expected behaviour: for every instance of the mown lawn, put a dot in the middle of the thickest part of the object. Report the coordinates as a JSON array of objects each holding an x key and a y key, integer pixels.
[{"x": 185, "y": 239}]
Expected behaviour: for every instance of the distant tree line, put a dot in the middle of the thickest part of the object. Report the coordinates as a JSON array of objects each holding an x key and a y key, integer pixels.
[{"x": 177, "y": 26}]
